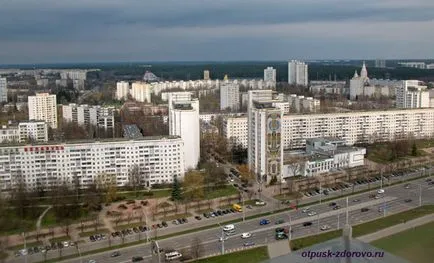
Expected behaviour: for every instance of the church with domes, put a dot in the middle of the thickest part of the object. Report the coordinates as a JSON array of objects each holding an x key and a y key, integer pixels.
[{"x": 359, "y": 85}]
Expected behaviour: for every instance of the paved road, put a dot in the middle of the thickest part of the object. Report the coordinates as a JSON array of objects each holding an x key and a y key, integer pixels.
[{"x": 393, "y": 201}]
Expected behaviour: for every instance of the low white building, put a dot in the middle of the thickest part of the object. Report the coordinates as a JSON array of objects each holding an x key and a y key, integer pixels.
[
  {"x": 158, "y": 160},
  {"x": 26, "y": 131},
  {"x": 324, "y": 155}
]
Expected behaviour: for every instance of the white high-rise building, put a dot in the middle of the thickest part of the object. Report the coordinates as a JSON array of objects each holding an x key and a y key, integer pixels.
[
  {"x": 270, "y": 74},
  {"x": 297, "y": 73},
  {"x": 265, "y": 150},
  {"x": 206, "y": 75},
  {"x": 158, "y": 159},
  {"x": 141, "y": 91},
  {"x": 122, "y": 90},
  {"x": 43, "y": 107},
  {"x": 102, "y": 117},
  {"x": 3, "y": 90},
  {"x": 184, "y": 122},
  {"x": 412, "y": 94},
  {"x": 230, "y": 96}
]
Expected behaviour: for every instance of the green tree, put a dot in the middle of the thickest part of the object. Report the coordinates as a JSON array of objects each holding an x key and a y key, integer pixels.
[
  {"x": 414, "y": 149},
  {"x": 176, "y": 189}
]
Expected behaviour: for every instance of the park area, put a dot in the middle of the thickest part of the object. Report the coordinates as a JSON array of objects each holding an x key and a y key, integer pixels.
[{"x": 415, "y": 245}]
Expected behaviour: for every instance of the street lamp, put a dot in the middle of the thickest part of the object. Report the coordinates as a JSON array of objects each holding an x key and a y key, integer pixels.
[
  {"x": 25, "y": 248},
  {"x": 222, "y": 238}
]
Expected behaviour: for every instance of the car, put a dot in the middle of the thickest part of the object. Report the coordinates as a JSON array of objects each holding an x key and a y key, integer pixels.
[
  {"x": 142, "y": 229},
  {"x": 91, "y": 261},
  {"x": 356, "y": 200},
  {"x": 407, "y": 186},
  {"x": 325, "y": 227},
  {"x": 115, "y": 254},
  {"x": 185, "y": 220},
  {"x": 229, "y": 227},
  {"x": 311, "y": 213},
  {"x": 136, "y": 230},
  {"x": 377, "y": 197},
  {"x": 428, "y": 180},
  {"x": 364, "y": 209},
  {"x": 164, "y": 223},
  {"x": 260, "y": 202},
  {"x": 92, "y": 239},
  {"x": 206, "y": 215},
  {"x": 224, "y": 212},
  {"x": 219, "y": 212},
  {"x": 113, "y": 234},
  {"x": 249, "y": 207},
  {"x": 246, "y": 235},
  {"x": 36, "y": 249},
  {"x": 198, "y": 218},
  {"x": 180, "y": 221},
  {"x": 136, "y": 259},
  {"x": 305, "y": 210},
  {"x": 264, "y": 222},
  {"x": 372, "y": 196},
  {"x": 407, "y": 200},
  {"x": 232, "y": 210},
  {"x": 332, "y": 204},
  {"x": 336, "y": 207},
  {"x": 380, "y": 191},
  {"x": 431, "y": 183},
  {"x": 280, "y": 221},
  {"x": 249, "y": 244},
  {"x": 307, "y": 223},
  {"x": 159, "y": 226}
]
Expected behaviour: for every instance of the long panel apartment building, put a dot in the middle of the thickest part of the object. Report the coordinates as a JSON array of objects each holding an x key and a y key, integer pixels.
[
  {"x": 159, "y": 159},
  {"x": 352, "y": 127}
]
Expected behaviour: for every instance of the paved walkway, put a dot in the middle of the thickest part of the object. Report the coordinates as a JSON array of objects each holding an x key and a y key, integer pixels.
[{"x": 397, "y": 228}]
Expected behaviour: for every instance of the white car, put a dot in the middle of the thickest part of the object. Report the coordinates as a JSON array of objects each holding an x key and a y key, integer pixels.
[
  {"x": 246, "y": 235},
  {"x": 305, "y": 210},
  {"x": 377, "y": 197},
  {"x": 65, "y": 244},
  {"x": 228, "y": 227},
  {"x": 380, "y": 191},
  {"x": 260, "y": 203},
  {"x": 325, "y": 227},
  {"x": 311, "y": 213}
]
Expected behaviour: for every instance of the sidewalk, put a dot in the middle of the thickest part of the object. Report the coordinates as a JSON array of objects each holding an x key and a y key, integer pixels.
[{"x": 397, "y": 228}]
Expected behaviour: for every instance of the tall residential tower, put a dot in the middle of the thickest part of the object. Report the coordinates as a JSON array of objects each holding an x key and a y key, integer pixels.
[{"x": 297, "y": 73}]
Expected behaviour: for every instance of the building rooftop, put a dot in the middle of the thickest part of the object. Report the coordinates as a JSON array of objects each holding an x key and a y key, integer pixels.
[
  {"x": 132, "y": 131},
  {"x": 147, "y": 138}
]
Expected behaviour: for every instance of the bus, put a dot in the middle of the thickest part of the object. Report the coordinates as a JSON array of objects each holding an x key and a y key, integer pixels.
[
  {"x": 174, "y": 255},
  {"x": 237, "y": 207}
]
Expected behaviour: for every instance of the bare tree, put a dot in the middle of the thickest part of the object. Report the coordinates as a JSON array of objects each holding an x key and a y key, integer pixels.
[
  {"x": 134, "y": 178},
  {"x": 196, "y": 247}
]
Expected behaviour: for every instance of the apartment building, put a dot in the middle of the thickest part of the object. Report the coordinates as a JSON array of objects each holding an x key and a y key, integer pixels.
[
  {"x": 235, "y": 131},
  {"x": 43, "y": 107},
  {"x": 122, "y": 90},
  {"x": 412, "y": 94},
  {"x": 184, "y": 122},
  {"x": 141, "y": 91},
  {"x": 3, "y": 90},
  {"x": 270, "y": 74},
  {"x": 297, "y": 73},
  {"x": 102, "y": 117},
  {"x": 26, "y": 131},
  {"x": 157, "y": 158},
  {"x": 230, "y": 96}
]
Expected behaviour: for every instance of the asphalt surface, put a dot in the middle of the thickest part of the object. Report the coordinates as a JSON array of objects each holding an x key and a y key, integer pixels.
[{"x": 393, "y": 200}]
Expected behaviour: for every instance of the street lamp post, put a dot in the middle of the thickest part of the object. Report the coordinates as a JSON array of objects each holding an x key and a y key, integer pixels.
[
  {"x": 25, "y": 247},
  {"x": 338, "y": 220},
  {"x": 420, "y": 195},
  {"x": 320, "y": 193}
]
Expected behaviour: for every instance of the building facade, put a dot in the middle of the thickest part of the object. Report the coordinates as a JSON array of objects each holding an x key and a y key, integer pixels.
[
  {"x": 122, "y": 90},
  {"x": 3, "y": 90},
  {"x": 230, "y": 96},
  {"x": 102, "y": 117},
  {"x": 270, "y": 74},
  {"x": 43, "y": 107},
  {"x": 412, "y": 94},
  {"x": 206, "y": 75},
  {"x": 184, "y": 122},
  {"x": 158, "y": 159},
  {"x": 26, "y": 131},
  {"x": 141, "y": 91},
  {"x": 235, "y": 131},
  {"x": 297, "y": 73}
]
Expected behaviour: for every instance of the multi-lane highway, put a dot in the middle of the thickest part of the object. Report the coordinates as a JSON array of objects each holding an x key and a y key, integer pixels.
[{"x": 395, "y": 199}]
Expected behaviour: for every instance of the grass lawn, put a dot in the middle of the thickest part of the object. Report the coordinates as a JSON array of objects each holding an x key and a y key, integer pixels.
[
  {"x": 251, "y": 256},
  {"x": 60, "y": 239},
  {"x": 225, "y": 191},
  {"x": 415, "y": 245},
  {"x": 91, "y": 233},
  {"x": 366, "y": 228},
  {"x": 49, "y": 219},
  {"x": 28, "y": 244}
]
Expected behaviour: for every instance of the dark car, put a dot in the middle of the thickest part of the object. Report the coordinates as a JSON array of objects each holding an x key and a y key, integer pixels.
[
  {"x": 307, "y": 223},
  {"x": 364, "y": 209},
  {"x": 137, "y": 259},
  {"x": 92, "y": 238},
  {"x": 232, "y": 210},
  {"x": 114, "y": 234},
  {"x": 264, "y": 222},
  {"x": 159, "y": 226},
  {"x": 206, "y": 215},
  {"x": 142, "y": 229},
  {"x": 249, "y": 244},
  {"x": 198, "y": 218},
  {"x": 136, "y": 230},
  {"x": 164, "y": 223},
  {"x": 332, "y": 204},
  {"x": 407, "y": 200},
  {"x": 336, "y": 207},
  {"x": 115, "y": 254},
  {"x": 219, "y": 212}
]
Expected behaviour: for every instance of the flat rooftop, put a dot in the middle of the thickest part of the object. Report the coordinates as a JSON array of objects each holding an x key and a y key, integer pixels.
[{"x": 132, "y": 131}]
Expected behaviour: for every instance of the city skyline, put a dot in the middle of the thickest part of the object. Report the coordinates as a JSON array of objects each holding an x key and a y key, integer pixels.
[{"x": 103, "y": 31}]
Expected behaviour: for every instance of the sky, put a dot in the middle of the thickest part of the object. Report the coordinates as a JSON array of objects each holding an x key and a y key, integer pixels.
[{"x": 61, "y": 31}]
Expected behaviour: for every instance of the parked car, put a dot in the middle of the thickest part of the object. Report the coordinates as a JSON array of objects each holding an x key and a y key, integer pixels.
[
  {"x": 164, "y": 223},
  {"x": 137, "y": 259},
  {"x": 307, "y": 223},
  {"x": 311, "y": 213},
  {"x": 115, "y": 254},
  {"x": 249, "y": 244},
  {"x": 325, "y": 227},
  {"x": 336, "y": 207},
  {"x": 206, "y": 215},
  {"x": 246, "y": 235},
  {"x": 198, "y": 218},
  {"x": 364, "y": 209},
  {"x": 407, "y": 200},
  {"x": 332, "y": 204},
  {"x": 264, "y": 222}
]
